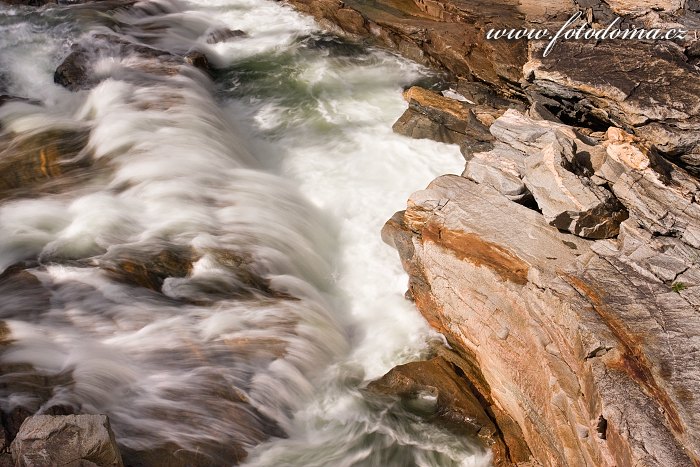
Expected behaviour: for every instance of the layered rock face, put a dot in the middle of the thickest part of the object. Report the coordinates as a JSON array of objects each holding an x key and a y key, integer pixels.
[{"x": 563, "y": 265}]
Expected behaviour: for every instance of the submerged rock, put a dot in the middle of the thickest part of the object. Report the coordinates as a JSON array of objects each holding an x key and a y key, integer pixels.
[
  {"x": 80, "y": 70},
  {"x": 29, "y": 2},
  {"x": 69, "y": 440},
  {"x": 224, "y": 35},
  {"x": 28, "y": 161},
  {"x": 435, "y": 390}
]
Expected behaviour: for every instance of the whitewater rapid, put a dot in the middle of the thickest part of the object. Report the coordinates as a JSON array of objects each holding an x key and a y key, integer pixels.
[{"x": 285, "y": 163}]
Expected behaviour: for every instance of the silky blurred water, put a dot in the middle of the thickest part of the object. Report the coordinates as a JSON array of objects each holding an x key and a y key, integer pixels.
[{"x": 285, "y": 163}]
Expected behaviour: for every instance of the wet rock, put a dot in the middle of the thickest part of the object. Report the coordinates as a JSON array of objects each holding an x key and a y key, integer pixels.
[
  {"x": 69, "y": 440},
  {"x": 79, "y": 70},
  {"x": 74, "y": 72},
  {"x": 29, "y": 2},
  {"x": 4, "y": 99},
  {"x": 149, "y": 269},
  {"x": 198, "y": 60},
  {"x": 173, "y": 455},
  {"x": 234, "y": 274},
  {"x": 442, "y": 119},
  {"x": 29, "y": 160},
  {"x": 24, "y": 296},
  {"x": 224, "y": 35},
  {"x": 434, "y": 390}
]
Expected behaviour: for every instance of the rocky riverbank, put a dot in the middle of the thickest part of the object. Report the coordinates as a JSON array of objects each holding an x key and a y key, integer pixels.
[{"x": 563, "y": 265}]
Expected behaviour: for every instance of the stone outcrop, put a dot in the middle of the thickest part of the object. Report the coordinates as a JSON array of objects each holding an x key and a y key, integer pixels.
[
  {"x": 571, "y": 335},
  {"x": 647, "y": 89},
  {"x": 432, "y": 116},
  {"x": 70, "y": 440}
]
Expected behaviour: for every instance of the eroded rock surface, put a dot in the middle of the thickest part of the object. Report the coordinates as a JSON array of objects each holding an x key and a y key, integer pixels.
[
  {"x": 596, "y": 283},
  {"x": 70, "y": 440},
  {"x": 433, "y": 116},
  {"x": 576, "y": 331}
]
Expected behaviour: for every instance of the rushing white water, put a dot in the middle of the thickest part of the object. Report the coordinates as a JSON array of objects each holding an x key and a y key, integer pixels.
[{"x": 288, "y": 174}]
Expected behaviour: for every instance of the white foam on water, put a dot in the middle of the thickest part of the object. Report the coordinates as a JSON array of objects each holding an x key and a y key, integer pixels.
[{"x": 297, "y": 172}]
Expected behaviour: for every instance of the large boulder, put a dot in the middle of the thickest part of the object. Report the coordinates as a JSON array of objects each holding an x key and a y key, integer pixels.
[
  {"x": 70, "y": 440},
  {"x": 588, "y": 345},
  {"x": 433, "y": 116}
]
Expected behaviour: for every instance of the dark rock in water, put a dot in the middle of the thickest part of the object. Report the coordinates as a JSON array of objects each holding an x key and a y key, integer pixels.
[
  {"x": 172, "y": 455},
  {"x": 435, "y": 384},
  {"x": 77, "y": 72},
  {"x": 27, "y": 161},
  {"x": 225, "y": 34},
  {"x": 5, "y": 98},
  {"x": 198, "y": 60},
  {"x": 70, "y": 440},
  {"x": 74, "y": 72},
  {"x": 335, "y": 46},
  {"x": 24, "y": 296},
  {"x": 38, "y": 3},
  {"x": 438, "y": 391},
  {"x": 149, "y": 270}
]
